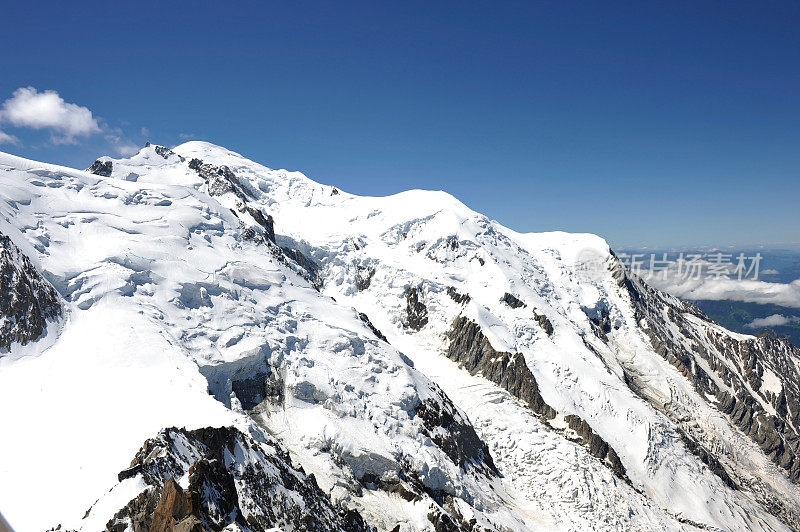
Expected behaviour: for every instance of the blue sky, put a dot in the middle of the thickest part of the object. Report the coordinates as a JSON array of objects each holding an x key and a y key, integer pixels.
[{"x": 649, "y": 124}]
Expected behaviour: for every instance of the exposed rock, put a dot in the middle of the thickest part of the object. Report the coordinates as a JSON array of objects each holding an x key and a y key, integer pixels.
[
  {"x": 458, "y": 440},
  {"x": 364, "y": 276},
  {"x": 544, "y": 323},
  {"x": 671, "y": 325},
  {"x": 416, "y": 311},
  {"x": 27, "y": 300},
  {"x": 512, "y": 301},
  {"x": 137, "y": 515},
  {"x": 470, "y": 348},
  {"x": 165, "y": 152},
  {"x": 458, "y": 298},
  {"x": 173, "y": 506},
  {"x": 101, "y": 168},
  {"x": 232, "y": 481},
  {"x": 596, "y": 445},
  {"x": 363, "y": 317},
  {"x": 707, "y": 458},
  {"x": 265, "y": 221},
  {"x": 221, "y": 180},
  {"x": 130, "y": 472},
  {"x": 309, "y": 266},
  {"x": 777, "y": 435}
]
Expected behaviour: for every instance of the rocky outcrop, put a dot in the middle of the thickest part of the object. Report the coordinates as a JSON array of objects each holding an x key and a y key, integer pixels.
[
  {"x": 731, "y": 371},
  {"x": 27, "y": 300},
  {"x": 512, "y": 301},
  {"x": 363, "y": 317},
  {"x": 364, "y": 276},
  {"x": 738, "y": 368},
  {"x": 596, "y": 445},
  {"x": 455, "y": 435},
  {"x": 309, "y": 266},
  {"x": 232, "y": 480},
  {"x": 416, "y": 311},
  {"x": 461, "y": 299},
  {"x": 175, "y": 510},
  {"x": 470, "y": 348},
  {"x": 544, "y": 323},
  {"x": 265, "y": 221},
  {"x": 101, "y": 168},
  {"x": 164, "y": 152},
  {"x": 221, "y": 180},
  {"x": 137, "y": 515}
]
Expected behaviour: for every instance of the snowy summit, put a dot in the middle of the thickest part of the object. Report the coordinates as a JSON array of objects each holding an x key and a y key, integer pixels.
[{"x": 190, "y": 340}]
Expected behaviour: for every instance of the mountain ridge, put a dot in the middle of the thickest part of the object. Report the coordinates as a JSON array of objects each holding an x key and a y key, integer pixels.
[{"x": 255, "y": 282}]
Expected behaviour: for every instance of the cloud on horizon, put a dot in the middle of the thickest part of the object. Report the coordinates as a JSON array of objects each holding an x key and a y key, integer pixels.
[
  {"x": 776, "y": 320},
  {"x": 29, "y": 108},
  {"x": 747, "y": 290}
]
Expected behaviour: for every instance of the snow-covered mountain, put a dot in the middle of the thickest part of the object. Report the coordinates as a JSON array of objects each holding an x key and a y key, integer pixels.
[{"x": 193, "y": 341}]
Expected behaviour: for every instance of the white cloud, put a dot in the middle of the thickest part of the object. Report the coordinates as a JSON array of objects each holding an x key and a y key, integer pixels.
[
  {"x": 125, "y": 148},
  {"x": 775, "y": 320},
  {"x": 119, "y": 143},
  {"x": 5, "y": 138},
  {"x": 30, "y": 108},
  {"x": 770, "y": 272},
  {"x": 748, "y": 290}
]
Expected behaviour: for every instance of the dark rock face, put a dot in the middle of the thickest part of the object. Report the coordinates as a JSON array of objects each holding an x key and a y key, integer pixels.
[
  {"x": 512, "y": 301},
  {"x": 364, "y": 276},
  {"x": 233, "y": 480},
  {"x": 707, "y": 458},
  {"x": 745, "y": 401},
  {"x": 165, "y": 152},
  {"x": 137, "y": 515},
  {"x": 470, "y": 348},
  {"x": 27, "y": 300},
  {"x": 458, "y": 298},
  {"x": 451, "y": 520},
  {"x": 458, "y": 440},
  {"x": 544, "y": 323},
  {"x": 221, "y": 180},
  {"x": 265, "y": 221},
  {"x": 416, "y": 311},
  {"x": 101, "y": 168},
  {"x": 363, "y": 317},
  {"x": 740, "y": 366},
  {"x": 596, "y": 445},
  {"x": 308, "y": 265}
]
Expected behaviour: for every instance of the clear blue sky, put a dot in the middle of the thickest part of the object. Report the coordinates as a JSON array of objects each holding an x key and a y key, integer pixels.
[{"x": 648, "y": 123}]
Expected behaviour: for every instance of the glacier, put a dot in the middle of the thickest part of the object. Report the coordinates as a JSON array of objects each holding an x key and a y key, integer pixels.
[{"x": 244, "y": 348}]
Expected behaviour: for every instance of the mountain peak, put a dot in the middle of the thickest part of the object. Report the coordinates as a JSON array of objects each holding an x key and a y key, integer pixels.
[{"x": 398, "y": 359}]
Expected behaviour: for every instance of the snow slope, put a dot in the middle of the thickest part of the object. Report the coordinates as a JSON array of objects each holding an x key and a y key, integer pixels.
[{"x": 203, "y": 289}]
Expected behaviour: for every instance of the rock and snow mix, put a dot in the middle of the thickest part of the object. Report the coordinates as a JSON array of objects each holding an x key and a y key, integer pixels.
[{"x": 379, "y": 362}]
